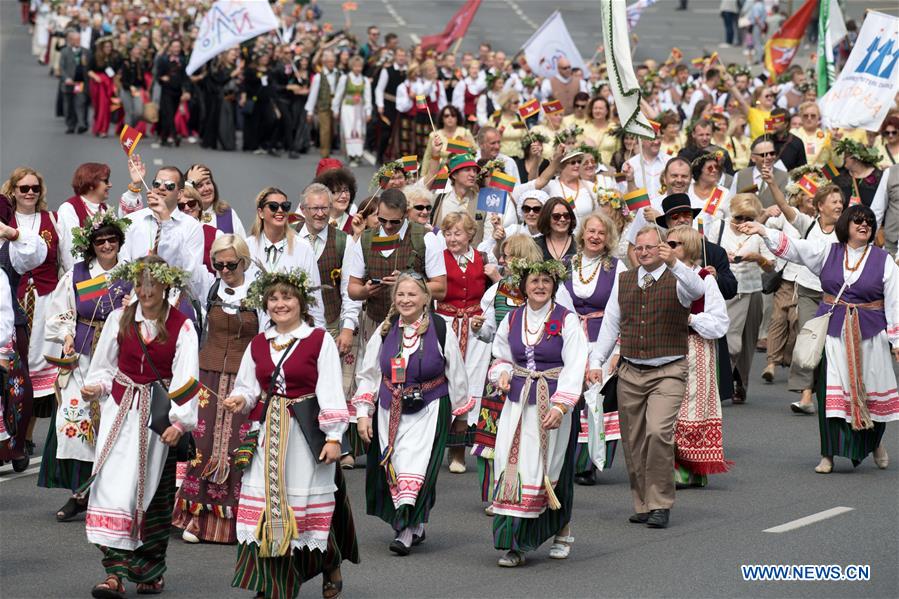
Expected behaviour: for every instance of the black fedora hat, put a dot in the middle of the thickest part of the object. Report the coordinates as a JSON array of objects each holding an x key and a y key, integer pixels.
[{"x": 676, "y": 202}]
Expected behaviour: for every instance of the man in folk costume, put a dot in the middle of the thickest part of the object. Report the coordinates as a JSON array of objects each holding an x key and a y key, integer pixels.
[
  {"x": 563, "y": 86},
  {"x": 891, "y": 214},
  {"x": 389, "y": 80},
  {"x": 649, "y": 307},
  {"x": 461, "y": 195},
  {"x": 763, "y": 156},
  {"x": 341, "y": 313},
  {"x": 321, "y": 93}
]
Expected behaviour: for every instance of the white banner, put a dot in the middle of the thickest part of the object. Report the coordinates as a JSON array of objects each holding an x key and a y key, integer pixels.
[
  {"x": 867, "y": 86},
  {"x": 623, "y": 81},
  {"x": 550, "y": 43},
  {"x": 227, "y": 24}
]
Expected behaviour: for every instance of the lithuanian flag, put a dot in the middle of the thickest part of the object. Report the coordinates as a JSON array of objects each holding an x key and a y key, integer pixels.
[
  {"x": 385, "y": 244},
  {"x": 410, "y": 163},
  {"x": 830, "y": 171},
  {"x": 421, "y": 102},
  {"x": 714, "y": 201},
  {"x": 457, "y": 146},
  {"x": 92, "y": 288},
  {"x": 501, "y": 180},
  {"x": 699, "y": 226},
  {"x": 440, "y": 179},
  {"x": 637, "y": 199},
  {"x": 63, "y": 363},
  {"x": 807, "y": 185},
  {"x": 185, "y": 392}
]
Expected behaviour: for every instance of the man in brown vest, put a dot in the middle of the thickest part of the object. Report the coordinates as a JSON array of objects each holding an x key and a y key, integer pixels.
[
  {"x": 321, "y": 93},
  {"x": 563, "y": 86},
  {"x": 650, "y": 308}
]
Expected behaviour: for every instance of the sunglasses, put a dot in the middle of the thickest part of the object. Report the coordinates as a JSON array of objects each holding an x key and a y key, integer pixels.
[
  {"x": 389, "y": 221},
  {"x": 274, "y": 206},
  {"x": 559, "y": 216},
  {"x": 887, "y": 133},
  {"x": 101, "y": 241},
  {"x": 742, "y": 218},
  {"x": 580, "y": 106},
  {"x": 675, "y": 244},
  {"x": 182, "y": 206},
  {"x": 860, "y": 219},
  {"x": 167, "y": 185},
  {"x": 422, "y": 207},
  {"x": 811, "y": 115},
  {"x": 531, "y": 209},
  {"x": 32, "y": 188},
  {"x": 765, "y": 154},
  {"x": 220, "y": 266}
]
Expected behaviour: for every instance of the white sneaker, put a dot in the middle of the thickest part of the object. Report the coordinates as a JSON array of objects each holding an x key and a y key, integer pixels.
[
  {"x": 561, "y": 547},
  {"x": 457, "y": 467},
  {"x": 189, "y": 537},
  {"x": 512, "y": 559}
]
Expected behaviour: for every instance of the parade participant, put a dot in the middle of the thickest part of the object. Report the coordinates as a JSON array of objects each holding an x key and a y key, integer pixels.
[
  {"x": 467, "y": 91},
  {"x": 291, "y": 496},
  {"x": 489, "y": 101},
  {"x": 748, "y": 258},
  {"x": 591, "y": 274},
  {"x": 888, "y": 143},
  {"x": 562, "y": 179},
  {"x": 461, "y": 195},
  {"x": 531, "y": 162},
  {"x": 428, "y": 89},
  {"x": 541, "y": 370},
  {"x": 72, "y": 72},
  {"x": 489, "y": 139},
  {"x": 215, "y": 210},
  {"x": 644, "y": 170},
  {"x": 706, "y": 172},
  {"x": 341, "y": 313},
  {"x": 390, "y": 78},
  {"x": 132, "y": 488},
  {"x": 817, "y": 143},
  {"x": 626, "y": 150},
  {"x": 698, "y": 445},
  {"x": 191, "y": 206},
  {"x": 411, "y": 384},
  {"x": 403, "y": 140},
  {"x": 860, "y": 180},
  {"x": 76, "y": 320},
  {"x": 599, "y": 127},
  {"x": 90, "y": 184},
  {"x": 342, "y": 185},
  {"x": 700, "y": 142},
  {"x": 750, "y": 180},
  {"x": 352, "y": 106},
  {"x": 276, "y": 247},
  {"x": 27, "y": 193},
  {"x": 102, "y": 67},
  {"x": 391, "y": 175},
  {"x": 738, "y": 143},
  {"x": 563, "y": 85},
  {"x": 466, "y": 281},
  {"x": 857, "y": 385},
  {"x": 450, "y": 125},
  {"x": 551, "y": 125},
  {"x": 529, "y": 204},
  {"x": 650, "y": 307},
  {"x": 508, "y": 122},
  {"x": 206, "y": 503},
  {"x": 420, "y": 200},
  {"x": 592, "y": 172},
  {"x": 319, "y": 102},
  {"x": 672, "y": 138},
  {"x": 557, "y": 223}
]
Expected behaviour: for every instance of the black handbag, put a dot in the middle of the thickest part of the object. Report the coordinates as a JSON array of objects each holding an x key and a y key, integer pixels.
[
  {"x": 186, "y": 449},
  {"x": 771, "y": 281},
  {"x": 610, "y": 395}
]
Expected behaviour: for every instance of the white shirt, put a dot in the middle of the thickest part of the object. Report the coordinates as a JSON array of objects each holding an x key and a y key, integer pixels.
[
  {"x": 803, "y": 223},
  {"x": 337, "y": 101},
  {"x": 433, "y": 91},
  {"x": 66, "y": 220},
  {"x": 349, "y": 308},
  {"x": 748, "y": 274},
  {"x": 381, "y": 88},
  {"x": 7, "y": 318},
  {"x": 689, "y": 288},
  {"x": 474, "y": 86},
  {"x": 316, "y": 86},
  {"x": 648, "y": 172},
  {"x": 354, "y": 263}
]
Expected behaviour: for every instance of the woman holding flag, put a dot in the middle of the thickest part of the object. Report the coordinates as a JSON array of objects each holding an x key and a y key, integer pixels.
[
  {"x": 352, "y": 105},
  {"x": 445, "y": 142},
  {"x": 132, "y": 488},
  {"x": 705, "y": 191},
  {"x": 77, "y": 311}
]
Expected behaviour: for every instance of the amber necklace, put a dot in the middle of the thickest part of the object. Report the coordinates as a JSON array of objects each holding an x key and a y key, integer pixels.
[
  {"x": 280, "y": 346},
  {"x": 528, "y": 333},
  {"x": 580, "y": 270},
  {"x": 857, "y": 264}
]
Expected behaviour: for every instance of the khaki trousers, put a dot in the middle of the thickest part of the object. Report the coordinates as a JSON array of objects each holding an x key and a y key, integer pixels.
[
  {"x": 325, "y": 132},
  {"x": 745, "y": 312},
  {"x": 782, "y": 328},
  {"x": 648, "y": 402},
  {"x": 807, "y": 301}
]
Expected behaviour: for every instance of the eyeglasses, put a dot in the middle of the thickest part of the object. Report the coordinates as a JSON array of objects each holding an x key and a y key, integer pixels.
[
  {"x": 811, "y": 115},
  {"x": 422, "y": 207},
  {"x": 101, "y": 241},
  {"x": 319, "y": 209},
  {"x": 771, "y": 154},
  {"x": 220, "y": 266},
  {"x": 675, "y": 244},
  {"x": 275, "y": 206},
  {"x": 859, "y": 219},
  {"x": 182, "y": 206},
  {"x": 559, "y": 216},
  {"x": 389, "y": 221},
  {"x": 580, "y": 106},
  {"x": 157, "y": 183},
  {"x": 341, "y": 191},
  {"x": 32, "y": 188},
  {"x": 712, "y": 167},
  {"x": 890, "y": 133},
  {"x": 564, "y": 68},
  {"x": 742, "y": 218},
  {"x": 532, "y": 209},
  {"x": 640, "y": 249},
  {"x": 767, "y": 95}
]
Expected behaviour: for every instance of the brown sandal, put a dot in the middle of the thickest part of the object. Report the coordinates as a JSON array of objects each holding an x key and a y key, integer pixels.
[
  {"x": 331, "y": 589},
  {"x": 151, "y": 588},
  {"x": 111, "y": 588}
]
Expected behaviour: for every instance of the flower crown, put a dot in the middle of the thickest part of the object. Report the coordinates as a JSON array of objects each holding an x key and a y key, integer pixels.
[
  {"x": 608, "y": 196},
  {"x": 812, "y": 172},
  {"x": 296, "y": 278},
  {"x": 717, "y": 156},
  {"x": 387, "y": 171},
  {"x": 81, "y": 236},
  {"x": 567, "y": 135},
  {"x": 491, "y": 77},
  {"x": 588, "y": 149},
  {"x": 520, "y": 268},
  {"x": 735, "y": 69},
  {"x": 170, "y": 276},
  {"x": 862, "y": 153},
  {"x": 532, "y": 136},
  {"x": 529, "y": 81}
]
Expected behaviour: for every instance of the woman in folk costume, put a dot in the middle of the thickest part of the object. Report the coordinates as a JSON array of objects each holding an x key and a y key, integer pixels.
[
  {"x": 467, "y": 280},
  {"x": 293, "y": 518},
  {"x": 77, "y": 311},
  {"x": 450, "y": 125},
  {"x": 592, "y": 272},
  {"x": 352, "y": 105},
  {"x": 190, "y": 205},
  {"x": 466, "y": 94},
  {"x": 403, "y": 141},
  {"x": 540, "y": 356},
  {"x": 501, "y": 298},
  {"x": 26, "y": 190},
  {"x": 857, "y": 384},
  {"x": 207, "y": 499},
  {"x": 411, "y": 384},
  {"x": 698, "y": 441},
  {"x": 214, "y": 210},
  {"x": 145, "y": 348},
  {"x": 425, "y": 97}
]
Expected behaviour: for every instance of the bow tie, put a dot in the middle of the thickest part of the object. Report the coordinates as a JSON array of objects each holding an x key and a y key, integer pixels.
[{"x": 272, "y": 253}]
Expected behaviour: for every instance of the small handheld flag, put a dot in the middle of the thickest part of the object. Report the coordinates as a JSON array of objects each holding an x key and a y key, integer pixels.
[
  {"x": 830, "y": 171},
  {"x": 553, "y": 106},
  {"x": 129, "y": 138},
  {"x": 457, "y": 146},
  {"x": 774, "y": 122},
  {"x": 807, "y": 185},
  {"x": 349, "y": 6},
  {"x": 699, "y": 226},
  {"x": 714, "y": 201},
  {"x": 491, "y": 199},
  {"x": 529, "y": 108},
  {"x": 386, "y": 243},
  {"x": 186, "y": 392},
  {"x": 410, "y": 163},
  {"x": 637, "y": 199},
  {"x": 92, "y": 288},
  {"x": 421, "y": 102},
  {"x": 440, "y": 179},
  {"x": 500, "y": 180},
  {"x": 656, "y": 126}
]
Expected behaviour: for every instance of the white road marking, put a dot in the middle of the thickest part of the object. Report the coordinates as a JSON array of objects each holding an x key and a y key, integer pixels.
[
  {"x": 8, "y": 468},
  {"x": 393, "y": 13},
  {"x": 157, "y": 162},
  {"x": 517, "y": 9},
  {"x": 15, "y": 475},
  {"x": 805, "y": 521},
  {"x": 415, "y": 39}
]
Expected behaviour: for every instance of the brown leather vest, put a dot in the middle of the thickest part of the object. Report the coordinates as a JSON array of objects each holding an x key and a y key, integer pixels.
[
  {"x": 564, "y": 92},
  {"x": 227, "y": 338}
]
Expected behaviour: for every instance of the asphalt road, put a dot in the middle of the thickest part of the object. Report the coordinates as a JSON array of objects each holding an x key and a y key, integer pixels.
[{"x": 713, "y": 531}]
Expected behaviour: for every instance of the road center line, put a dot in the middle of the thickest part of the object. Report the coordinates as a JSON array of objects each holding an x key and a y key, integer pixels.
[
  {"x": 517, "y": 10},
  {"x": 15, "y": 475},
  {"x": 806, "y": 520}
]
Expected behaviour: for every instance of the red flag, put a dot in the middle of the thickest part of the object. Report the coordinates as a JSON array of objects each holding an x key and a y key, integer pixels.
[
  {"x": 129, "y": 138},
  {"x": 529, "y": 108},
  {"x": 781, "y": 47},
  {"x": 454, "y": 30}
]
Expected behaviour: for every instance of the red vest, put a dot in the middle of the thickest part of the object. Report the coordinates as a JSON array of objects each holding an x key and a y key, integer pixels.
[
  {"x": 208, "y": 237},
  {"x": 81, "y": 209},
  {"x": 46, "y": 275},
  {"x": 470, "y": 103},
  {"x": 300, "y": 369},
  {"x": 133, "y": 363},
  {"x": 464, "y": 289}
]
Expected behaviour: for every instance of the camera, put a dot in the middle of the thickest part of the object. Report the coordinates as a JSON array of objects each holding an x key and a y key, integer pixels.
[{"x": 412, "y": 398}]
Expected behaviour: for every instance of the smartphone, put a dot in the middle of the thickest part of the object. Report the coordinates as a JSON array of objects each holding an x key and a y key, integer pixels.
[
  {"x": 738, "y": 259},
  {"x": 375, "y": 281}
]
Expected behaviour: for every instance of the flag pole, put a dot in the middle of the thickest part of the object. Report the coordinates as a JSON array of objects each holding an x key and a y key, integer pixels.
[{"x": 131, "y": 164}]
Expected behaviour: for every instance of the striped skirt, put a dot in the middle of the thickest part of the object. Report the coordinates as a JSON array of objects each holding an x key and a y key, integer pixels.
[{"x": 837, "y": 436}]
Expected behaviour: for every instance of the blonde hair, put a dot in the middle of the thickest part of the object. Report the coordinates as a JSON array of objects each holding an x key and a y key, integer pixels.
[
  {"x": 192, "y": 194},
  {"x": 611, "y": 231},
  {"x": 9, "y": 187},
  {"x": 420, "y": 282},
  {"x": 507, "y": 96},
  {"x": 256, "y": 230},
  {"x": 231, "y": 242},
  {"x": 806, "y": 105},
  {"x": 521, "y": 246},
  {"x": 691, "y": 240},
  {"x": 746, "y": 204},
  {"x": 454, "y": 218}
]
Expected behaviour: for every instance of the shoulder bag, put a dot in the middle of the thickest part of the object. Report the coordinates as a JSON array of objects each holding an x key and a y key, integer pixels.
[{"x": 810, "y": 340}]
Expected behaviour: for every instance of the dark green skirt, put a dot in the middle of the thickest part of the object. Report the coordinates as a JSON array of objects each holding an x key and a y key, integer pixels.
[
  {"x": 379, "y": 501},
  {"x": 60, "y": 474}
]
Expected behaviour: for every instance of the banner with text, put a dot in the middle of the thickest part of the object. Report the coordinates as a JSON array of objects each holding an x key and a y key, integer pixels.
[{"x": 227, "y": 24}]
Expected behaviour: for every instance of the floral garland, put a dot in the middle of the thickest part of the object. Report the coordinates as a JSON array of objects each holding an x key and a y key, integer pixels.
[
  {"x": 170, "y": 276},
  {"x": 588, "y": 149},
  {"x": 81, "y": 236},
  {"x": 609, "y": 196},
  {"x": 295, "y": 277},
  {"x": 567, "y": 135},
  {"x": 487, "y": 170},
  {"x": 529, "y": 81},
  {"x": 717, "y": 156},
  {"x": 519, "y": 269},
  {"x": 862, "y": 153},
  {"x": 491, "y": 77},
  {"x": 812, "y": 172},
  {"x": 387, "y": 171}
]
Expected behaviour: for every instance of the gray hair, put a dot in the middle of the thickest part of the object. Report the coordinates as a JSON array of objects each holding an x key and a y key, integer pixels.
[
  {"x": 418, "y": 191},
  {"x": 315, "y": 189},
  {"x": 483, "y": 131}
]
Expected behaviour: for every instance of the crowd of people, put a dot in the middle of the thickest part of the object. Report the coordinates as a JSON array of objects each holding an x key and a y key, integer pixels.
[{"x": 618, "y": 295}]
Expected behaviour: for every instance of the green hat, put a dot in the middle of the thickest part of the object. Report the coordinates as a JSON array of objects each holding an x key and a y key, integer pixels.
[{"x": 461, "y": 161}]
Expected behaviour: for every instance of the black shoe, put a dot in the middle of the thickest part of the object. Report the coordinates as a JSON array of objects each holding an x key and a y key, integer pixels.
[
  {"x": 81, "y": 130},
  {"x": 21, "y": 464},
  {"x": 587, "y": 479},
  {"x": 418, "y": 539},
  {"x": 29, "y": 447},
  {"x": 399, "y": 548},
  {"x": 639, "y": 518},
  {"x": 739, "y": 394},
  {"x": 658, "y": 519},
  {"x": 293, "y": 155},
  {"x": 70, "y": 131},
  {"x": 177, "y": 142}
]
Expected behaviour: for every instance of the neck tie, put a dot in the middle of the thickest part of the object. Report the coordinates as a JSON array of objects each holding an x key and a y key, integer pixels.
[
  {"x": 272, "y": 253},
  {"x": 312, "y": 239},
  {"x": 648, "y": 280},
  {"x": 155, "y": 249}
]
